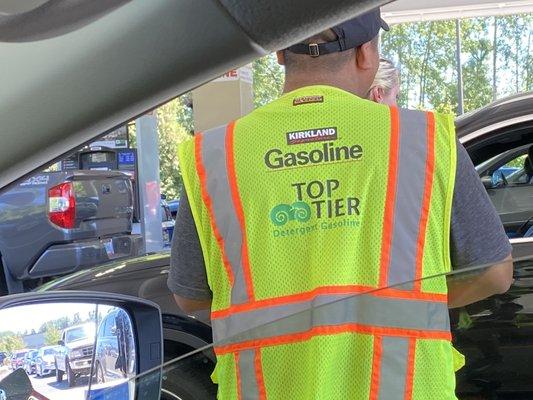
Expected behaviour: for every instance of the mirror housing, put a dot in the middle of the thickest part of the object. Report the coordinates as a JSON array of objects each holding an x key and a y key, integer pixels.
[
  {"x": 487, "y": 182},
  {"x": 143, "y": 317}
]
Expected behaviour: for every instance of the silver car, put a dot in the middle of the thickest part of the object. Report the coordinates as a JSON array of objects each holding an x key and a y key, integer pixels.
[{"x": 45, "y": 361}]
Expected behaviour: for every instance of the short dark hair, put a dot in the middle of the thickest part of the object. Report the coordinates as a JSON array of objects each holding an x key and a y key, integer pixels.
[{"x": 298, "y": 62}]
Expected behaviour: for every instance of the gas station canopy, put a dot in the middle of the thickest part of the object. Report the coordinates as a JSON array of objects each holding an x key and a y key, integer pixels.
[{"x": 430, "y": 10}]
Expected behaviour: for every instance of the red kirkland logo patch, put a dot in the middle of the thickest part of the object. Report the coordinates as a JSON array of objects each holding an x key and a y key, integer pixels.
[
  {"x": 312, "y": 135},
  {"x": 307, "y": 100}
]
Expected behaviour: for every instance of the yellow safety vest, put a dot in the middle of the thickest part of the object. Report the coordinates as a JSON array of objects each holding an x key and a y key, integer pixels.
[{"x": 319, "y": 215}]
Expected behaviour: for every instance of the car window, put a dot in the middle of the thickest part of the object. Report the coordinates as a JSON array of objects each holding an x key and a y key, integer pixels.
[
  {"x": 79, "y": 333},
  {"x": 508, "y": 172},
  {"x": 49, "y": 352},
  {"x": 166, "y": 215},
  {"x": 109, "y": 326},
  {"x": 509, "y": 183}
]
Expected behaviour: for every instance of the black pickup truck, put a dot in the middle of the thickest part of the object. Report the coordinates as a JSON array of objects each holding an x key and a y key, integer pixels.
[{"x": 59, "y": 222}]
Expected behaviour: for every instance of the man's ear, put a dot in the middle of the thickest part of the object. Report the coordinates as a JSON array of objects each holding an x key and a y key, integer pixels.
[
  {"x": 376, "y": 94},
  {"x": 281, "y": 57},
  {"x": 367, "y": 56}
]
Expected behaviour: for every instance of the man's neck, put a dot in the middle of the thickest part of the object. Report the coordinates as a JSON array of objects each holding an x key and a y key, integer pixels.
[{"x": 348, "y": 86}]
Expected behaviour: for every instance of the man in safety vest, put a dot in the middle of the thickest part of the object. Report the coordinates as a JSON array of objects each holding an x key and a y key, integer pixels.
[{"x": 308, "y": 226}]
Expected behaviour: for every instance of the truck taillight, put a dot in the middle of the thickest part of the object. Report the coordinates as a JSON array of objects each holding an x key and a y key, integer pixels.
[{"x": 62, "y": 205}]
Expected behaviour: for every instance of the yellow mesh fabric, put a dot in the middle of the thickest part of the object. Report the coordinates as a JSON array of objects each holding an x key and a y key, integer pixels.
[
  {"x": 298, "y": 261},
  {"x": 433, "y": 380},
  {"x": 216, "y": 273},
  {"x": 324, "y": 367},
  {"x": 436, "y": 258},
  {"x": 286, "y": 259},
  {"x": 225, "y": 372}
]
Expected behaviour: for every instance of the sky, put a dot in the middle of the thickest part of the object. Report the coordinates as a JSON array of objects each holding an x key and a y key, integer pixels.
[{"x": 21, "y": 318}]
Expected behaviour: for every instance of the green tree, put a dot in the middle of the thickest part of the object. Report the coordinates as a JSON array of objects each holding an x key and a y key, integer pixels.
[
  {"x": 496, "y": 60},
  {"x": 175, "y": 124},
  {"x": 184, "y": 112},
  {"x": 12, "y": 342},
  {"x": 268, "y": 80},
  {"x": 171, "y": 132},
  {"x": 477, "y": 85},
  {"x": 52, "y": 335}
]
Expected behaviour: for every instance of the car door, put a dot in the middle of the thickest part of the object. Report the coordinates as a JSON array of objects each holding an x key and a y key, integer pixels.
[
  {"x": 498, "y": 137},
  {"x": 109, "y": 344}
]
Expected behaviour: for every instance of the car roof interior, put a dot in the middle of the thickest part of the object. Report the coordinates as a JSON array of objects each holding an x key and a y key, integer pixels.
[{"x": 72, "y": 70}]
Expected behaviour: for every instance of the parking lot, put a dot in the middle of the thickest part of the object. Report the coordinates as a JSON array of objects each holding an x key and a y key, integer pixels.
[{"x": 48, "y": 387}]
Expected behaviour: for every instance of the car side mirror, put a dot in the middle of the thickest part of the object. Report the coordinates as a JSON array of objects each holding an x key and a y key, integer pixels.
[
  {"x": 81, "y": 314},
  {"x": 487, "y": 182}
]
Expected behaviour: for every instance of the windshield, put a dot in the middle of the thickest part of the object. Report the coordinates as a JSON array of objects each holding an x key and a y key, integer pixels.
[
  {"x": 49, "y": 352},
  {"x": 79, "y": 333}
]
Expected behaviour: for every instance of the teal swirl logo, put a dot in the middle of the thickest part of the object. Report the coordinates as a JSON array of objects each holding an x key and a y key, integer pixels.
[{"x": 283, "y": 213}]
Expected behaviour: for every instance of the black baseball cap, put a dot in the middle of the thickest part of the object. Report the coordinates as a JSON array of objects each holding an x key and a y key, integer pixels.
[{"x": 350, "y": 34}]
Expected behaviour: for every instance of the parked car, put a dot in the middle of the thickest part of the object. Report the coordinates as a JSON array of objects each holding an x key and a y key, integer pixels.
[
  {"x": 75, "y": 352},
  {"x": 174, "y": 205},
  {"x": 167, "y": 223},
  {"x": 29, "y": 362},
  {"x": 499, "y": 134},
  {"x": 114, "y": 345},
  {"x": 55, "y": 223},
  {"x": 45, "y": 360},
  {"x": 17, "y": 359}
]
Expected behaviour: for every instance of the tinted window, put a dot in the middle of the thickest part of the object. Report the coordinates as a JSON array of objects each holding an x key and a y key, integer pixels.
[
  {"x": 166, "y": 215},
  {"x": 79, "y": 333},
  {"x": 49, "y": 352},
  {"x": 109, "y": 325}
]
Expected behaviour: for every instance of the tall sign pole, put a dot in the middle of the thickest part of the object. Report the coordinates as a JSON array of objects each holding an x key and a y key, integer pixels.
[{"x": 149, "y": 183}]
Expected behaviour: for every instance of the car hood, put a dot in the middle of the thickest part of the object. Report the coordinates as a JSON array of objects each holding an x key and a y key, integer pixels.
[
  {"x": 48, "y": 359},
  {"x": 110, "y": 271}
]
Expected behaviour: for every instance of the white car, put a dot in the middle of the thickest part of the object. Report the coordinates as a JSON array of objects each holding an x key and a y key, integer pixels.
[{"x": 45, "y": 361}]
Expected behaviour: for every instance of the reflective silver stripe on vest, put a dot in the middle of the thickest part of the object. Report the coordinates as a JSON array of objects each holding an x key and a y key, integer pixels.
[
  {"x": 249, "y": 384},
  {"x": 218, "y": 187},
  {"x": 393, "y": 374},
  {"x": 329, "y": 311},
  {"x": 410, "y": 181}
]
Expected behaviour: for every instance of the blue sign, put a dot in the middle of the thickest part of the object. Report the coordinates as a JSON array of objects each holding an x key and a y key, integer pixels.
[{"x": 126, "y": 157}]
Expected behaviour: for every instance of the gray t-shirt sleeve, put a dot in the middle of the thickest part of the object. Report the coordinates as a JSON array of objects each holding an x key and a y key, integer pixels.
[
  {"x": 477, "y": 236},
  {"x": 187, "y": 277}
]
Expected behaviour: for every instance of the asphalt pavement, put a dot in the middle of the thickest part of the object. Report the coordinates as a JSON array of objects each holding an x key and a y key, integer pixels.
[{"x": 47, "y": 386}]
